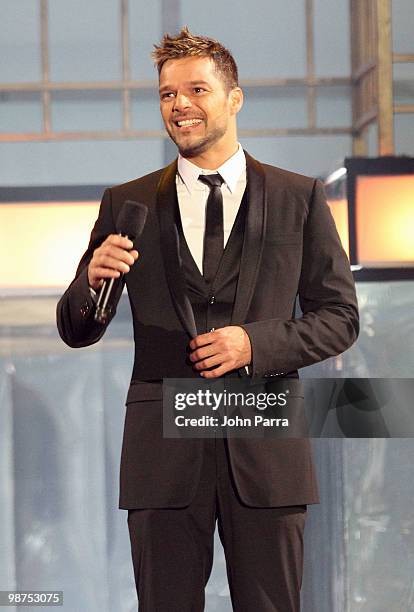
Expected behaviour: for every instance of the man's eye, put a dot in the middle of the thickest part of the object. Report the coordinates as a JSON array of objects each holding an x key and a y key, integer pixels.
[
  {"x": 167, "y": 94},
  {"x": 199, "y": 89}
]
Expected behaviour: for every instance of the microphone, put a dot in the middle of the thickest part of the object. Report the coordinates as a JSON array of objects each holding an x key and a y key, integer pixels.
[{"x": 130, "y": 223}]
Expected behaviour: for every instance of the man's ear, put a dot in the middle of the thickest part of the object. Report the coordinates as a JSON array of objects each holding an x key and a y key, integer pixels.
[{"x": 236, "y": 99}]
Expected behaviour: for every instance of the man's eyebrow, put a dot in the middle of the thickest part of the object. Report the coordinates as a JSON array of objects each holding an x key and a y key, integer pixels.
[{"x": 193, "y": 83}]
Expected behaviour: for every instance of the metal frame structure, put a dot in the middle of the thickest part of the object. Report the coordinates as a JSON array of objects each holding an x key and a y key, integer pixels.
[
  {"x": 371, "y": 83},
  {"x": 126, "y": 85},
  {"x": 372, "y": 74}
]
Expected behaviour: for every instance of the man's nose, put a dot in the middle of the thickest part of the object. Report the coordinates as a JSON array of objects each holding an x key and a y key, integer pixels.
[{"x": 181, "y": 102}]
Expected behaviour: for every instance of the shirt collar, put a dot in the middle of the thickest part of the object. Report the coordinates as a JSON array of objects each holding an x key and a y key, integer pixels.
[{"x": 230, "y": 171}]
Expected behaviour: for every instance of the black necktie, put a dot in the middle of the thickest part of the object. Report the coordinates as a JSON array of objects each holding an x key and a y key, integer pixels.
[{"x": 214, "y": 232}]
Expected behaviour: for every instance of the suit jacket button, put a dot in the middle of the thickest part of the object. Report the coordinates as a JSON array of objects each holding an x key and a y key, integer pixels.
[
  {"x": 212, "y": 300},
  {"x": 84, "y": 309}
]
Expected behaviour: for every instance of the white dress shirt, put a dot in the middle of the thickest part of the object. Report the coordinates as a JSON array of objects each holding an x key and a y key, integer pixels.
[{"x": 193, "y": 194}]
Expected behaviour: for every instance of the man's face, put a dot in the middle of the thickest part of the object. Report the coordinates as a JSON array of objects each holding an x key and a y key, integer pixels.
[{"x": 198, "y": 112}]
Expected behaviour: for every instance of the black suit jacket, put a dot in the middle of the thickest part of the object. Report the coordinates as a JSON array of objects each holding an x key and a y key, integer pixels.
[{"x": 290, "y": 247}]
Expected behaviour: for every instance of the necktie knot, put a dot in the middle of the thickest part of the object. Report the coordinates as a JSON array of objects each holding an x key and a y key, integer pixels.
[{"x": 212, "y": 180}]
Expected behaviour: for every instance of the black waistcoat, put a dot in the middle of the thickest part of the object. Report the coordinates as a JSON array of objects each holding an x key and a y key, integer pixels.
[
  {"x": 213, "y": 303},
  {"x": 212, "y": 306}
]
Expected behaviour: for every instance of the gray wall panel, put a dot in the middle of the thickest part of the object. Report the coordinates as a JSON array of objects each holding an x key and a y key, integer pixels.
[
  {"x": 84, "y": 40},
  {"x": 19, "y": 41},
  {"x": 258, "y": 35}
]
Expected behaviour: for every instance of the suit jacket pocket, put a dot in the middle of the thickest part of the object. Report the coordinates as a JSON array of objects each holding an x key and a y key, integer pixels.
[{"x": 141, "y": 391}]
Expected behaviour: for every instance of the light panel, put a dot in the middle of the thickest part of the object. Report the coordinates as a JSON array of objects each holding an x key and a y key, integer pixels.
[
  {"x": 41, "y": 243},
  {"x": 384, "y": 214},
  {"x": 339, "y": 210}
]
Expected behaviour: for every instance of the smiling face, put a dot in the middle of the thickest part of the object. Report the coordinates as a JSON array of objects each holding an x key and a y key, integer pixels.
[{"x": 198, "y": 111}]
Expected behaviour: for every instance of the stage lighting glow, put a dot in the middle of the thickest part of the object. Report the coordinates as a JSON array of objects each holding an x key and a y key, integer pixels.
[
  {"x": 339, "y": 210},
  {"x": 385, "y": 220},
  {"x": 41, "y": 243}
]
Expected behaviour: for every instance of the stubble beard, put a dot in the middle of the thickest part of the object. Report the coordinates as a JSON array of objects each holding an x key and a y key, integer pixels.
[{"x": 193, "y": 149}]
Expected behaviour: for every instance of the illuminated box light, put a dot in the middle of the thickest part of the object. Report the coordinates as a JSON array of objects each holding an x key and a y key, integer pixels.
[
  {"x": 41, "y": 243},
  {"x": 339, "y": 210},
  {"x": 380, "y": 194},
  {"x": 384, "y": 217}
]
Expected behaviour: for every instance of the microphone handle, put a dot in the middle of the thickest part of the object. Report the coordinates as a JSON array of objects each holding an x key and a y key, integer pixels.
[{"x": 103, "y": 309}]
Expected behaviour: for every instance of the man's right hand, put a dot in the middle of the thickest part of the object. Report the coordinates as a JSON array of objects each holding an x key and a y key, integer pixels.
[{"x": 110, "y": 259}]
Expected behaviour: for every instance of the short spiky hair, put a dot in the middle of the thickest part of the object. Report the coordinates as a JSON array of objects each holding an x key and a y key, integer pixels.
[{"x": 186, "y": 44}]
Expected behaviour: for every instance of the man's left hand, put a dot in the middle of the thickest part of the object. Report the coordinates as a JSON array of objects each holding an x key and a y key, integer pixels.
[{"x": 224, "y": 349}]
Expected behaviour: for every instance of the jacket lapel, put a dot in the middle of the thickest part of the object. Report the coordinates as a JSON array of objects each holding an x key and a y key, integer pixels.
[
  {"x": 253, "y": 241},
  {"x": 167, "y": 206}
]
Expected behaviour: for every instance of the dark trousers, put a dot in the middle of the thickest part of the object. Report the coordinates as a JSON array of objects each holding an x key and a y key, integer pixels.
[{"x": 172, "y": 549}]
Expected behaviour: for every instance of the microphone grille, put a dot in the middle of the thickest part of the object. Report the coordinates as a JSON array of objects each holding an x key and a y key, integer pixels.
[{"x": 131, "y": 219}]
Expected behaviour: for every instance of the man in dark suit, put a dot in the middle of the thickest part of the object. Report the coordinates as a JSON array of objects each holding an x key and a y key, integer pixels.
[{"x": 233, "y": 317}]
